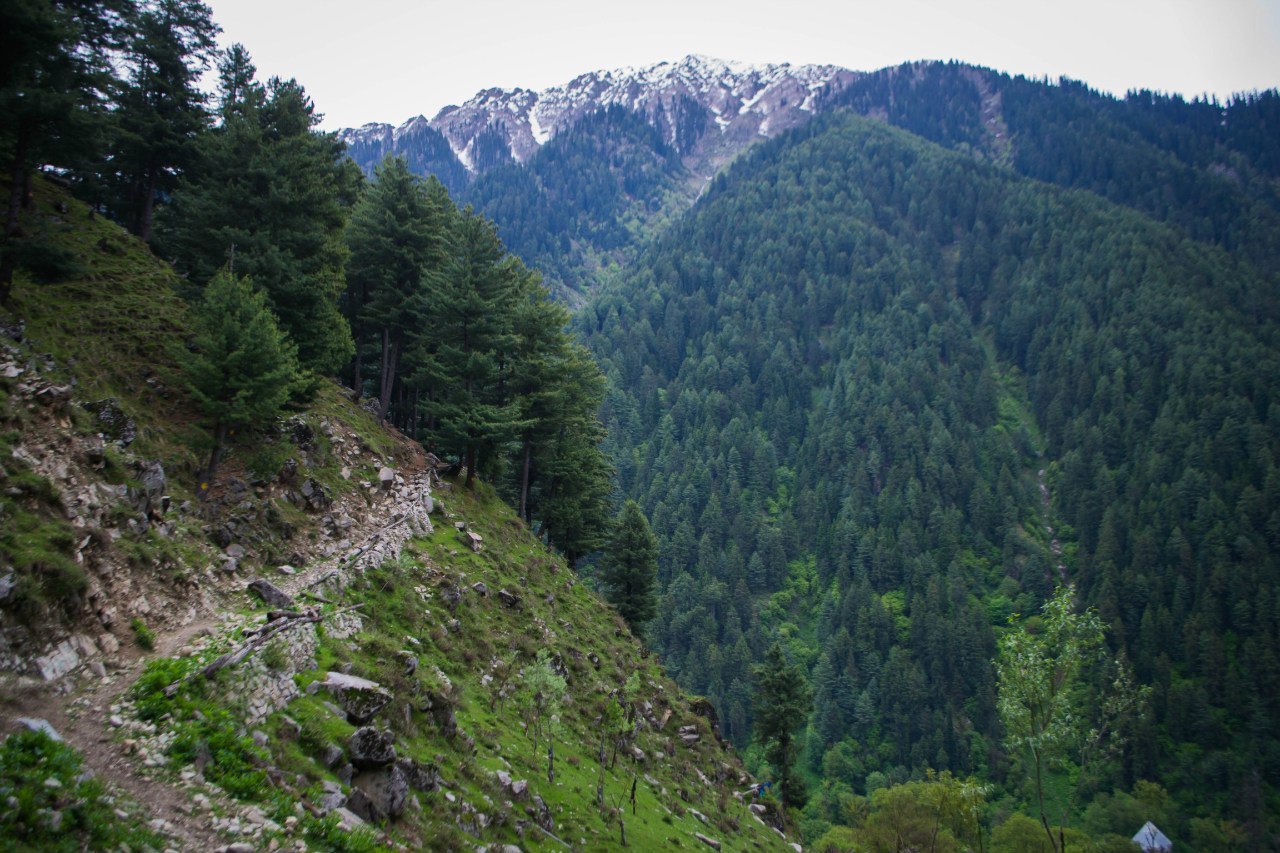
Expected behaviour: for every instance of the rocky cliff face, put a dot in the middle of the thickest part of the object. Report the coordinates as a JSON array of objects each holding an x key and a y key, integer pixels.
[{"x": 705, "y": 108}]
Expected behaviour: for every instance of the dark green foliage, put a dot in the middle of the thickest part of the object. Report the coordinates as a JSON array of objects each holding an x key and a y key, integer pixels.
[
  {"x": 400, "y": 244},
  {"x": 244, "y": 368},
  {"x": 159, "y": 112},
  {"x": 471, "y": 342},
  {"x": 862, "y": 350},
  {"x": 782, "y": 701},
  {"x": 86, "y": 817},
  {"x": 54, "y": 68},
  {"x": 424, "y": 149},
  {"x": 268, "y": 195},
  {"x": 629, "y": 567}
]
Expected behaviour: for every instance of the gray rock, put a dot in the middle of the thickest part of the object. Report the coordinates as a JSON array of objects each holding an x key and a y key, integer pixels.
[
  {"x": 386, "y": 477},
  {"x": 369, "y": 748},
  {"x": 410, "y": 663},
  {"x": 113, "y": 421},
  {"x": 450, "y": 595},
  {"x": 345, "y": 773},
  {"x": 347, "y": 819},
  {"x": 361, "y": 805},
  {"x": 36, "y": 724},
  {"x": 273, "y": 595},
  {"x": 710, "y": 842},
  {"x": 421, "y": 777},
  {"x": 379, "y": 793},
  {"x": 359, "y": 698},
  {"x": 508, "y": 599},
  {"x": 146, "y": 495},
  {"x": 235, "y": 551},
  {"x": 480, "y": 587},
  {"x": 331, "y": 756},
  {"x": 8, "y": 582}
]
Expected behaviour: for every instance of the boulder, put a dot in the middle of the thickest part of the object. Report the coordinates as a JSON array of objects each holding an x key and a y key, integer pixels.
[
  {"x": 313, "y": 495},
  {"x": 112, "y": 421},
  {"x": 421, "y": 777},
  {"x": 271, "y": 594},
  {"x": 508, "y": 599},
  {"x": 331, "y": 755},
  {"x": 386, "y": 478},
  {"x": 146, "y": 495},
  {"x": 710, "y": 842},
  {"x": 40, "y": 725},
  {"x": 450, "y": 595},
  {"x": 369, "y": 748},
  {"x": 384, "y": 791},
  {"x": 480, "y": 587},
  {"x": 359, "y": 698}
]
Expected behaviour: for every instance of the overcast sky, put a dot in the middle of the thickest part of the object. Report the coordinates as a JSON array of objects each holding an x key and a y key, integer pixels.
[{"x": 383, "y": 60}]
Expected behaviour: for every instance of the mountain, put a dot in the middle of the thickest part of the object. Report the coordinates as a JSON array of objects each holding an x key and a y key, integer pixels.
[
  {"x": 881, "y": 390},
  {"x": 704, "y": 108}
]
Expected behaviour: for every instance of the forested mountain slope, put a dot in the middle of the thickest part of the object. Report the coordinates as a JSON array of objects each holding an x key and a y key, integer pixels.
[{"x": 877, "y": 397}]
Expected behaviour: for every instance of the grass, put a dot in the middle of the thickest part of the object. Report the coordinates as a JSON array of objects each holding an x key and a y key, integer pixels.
[
  {"x": 52, "y": 806},
  {"x": 473, "y": 666}
]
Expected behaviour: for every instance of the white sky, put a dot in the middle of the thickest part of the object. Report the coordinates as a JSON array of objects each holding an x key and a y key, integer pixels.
[{"x": 389, "y": 60}]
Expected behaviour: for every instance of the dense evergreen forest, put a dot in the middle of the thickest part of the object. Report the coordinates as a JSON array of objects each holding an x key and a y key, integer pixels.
[
  {"x": 903, "y": 403},
  {"x": 877, "y": 398},
  {"x": 385, "y": 282}
]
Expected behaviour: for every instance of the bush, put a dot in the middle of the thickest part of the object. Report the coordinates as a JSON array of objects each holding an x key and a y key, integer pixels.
[{"x": 73, "y": 814}]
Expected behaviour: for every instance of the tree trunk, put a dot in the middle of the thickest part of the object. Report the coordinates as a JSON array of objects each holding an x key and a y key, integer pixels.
[
  {"x": 211, "y": 471},
  {"x": 356, "y": 384},
  {"x": 390, "y": 352},
  {"x": 17, "y": 174},
  {"x": 148, "y": 205},
  {"x": 524, "y": 480},
  {"x": 471, "y": 464}
]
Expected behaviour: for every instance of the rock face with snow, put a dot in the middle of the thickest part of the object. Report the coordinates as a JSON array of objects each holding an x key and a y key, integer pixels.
[{"x": 706, "y": 109}]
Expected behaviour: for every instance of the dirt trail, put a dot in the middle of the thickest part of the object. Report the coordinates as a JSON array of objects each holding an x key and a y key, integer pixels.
[{"x": 79, "y": 706}]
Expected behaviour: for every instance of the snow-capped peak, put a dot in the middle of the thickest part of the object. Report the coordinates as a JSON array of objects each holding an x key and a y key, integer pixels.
[{"x": 692, "y": 102}]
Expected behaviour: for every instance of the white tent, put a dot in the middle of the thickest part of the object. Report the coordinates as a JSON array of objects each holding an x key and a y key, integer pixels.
[{"x": 1152, "y": 840}]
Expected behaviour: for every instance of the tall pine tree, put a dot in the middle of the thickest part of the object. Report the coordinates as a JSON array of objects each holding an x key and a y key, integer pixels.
[
  {"x": 270, "y": 196},
  {"x": 629, "y": 567},
  {"x": 781, "y": 704}
]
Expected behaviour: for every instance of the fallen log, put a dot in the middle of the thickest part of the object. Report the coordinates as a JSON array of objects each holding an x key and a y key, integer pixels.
[{"x": 256, "y": 639}]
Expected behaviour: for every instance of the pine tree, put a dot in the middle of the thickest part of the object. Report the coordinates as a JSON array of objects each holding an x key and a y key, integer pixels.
[
  {"x": 270, "y": 196},
  {"x": 629, "y": 567},
  {"x": 161, "y": 110},
  {"x": 54, "y": 72},
  {"x": 244, "y": 368},
  {"x": 468, "y": 347},
  {"x": 781, "y": 702},
  {"x": 399, "y": 247}
]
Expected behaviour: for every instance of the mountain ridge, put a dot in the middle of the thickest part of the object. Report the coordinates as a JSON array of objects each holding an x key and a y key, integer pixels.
[{"x": 683, "y": 99}]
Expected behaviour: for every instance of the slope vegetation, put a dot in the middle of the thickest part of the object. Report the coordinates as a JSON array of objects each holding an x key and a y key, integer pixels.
[
  {"x": 519, "y": 709},
  {"x": 877, "y": 397}
]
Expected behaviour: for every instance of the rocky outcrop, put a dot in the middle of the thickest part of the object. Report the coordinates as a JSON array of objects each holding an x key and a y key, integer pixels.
[{"x": 359, "y": 698}]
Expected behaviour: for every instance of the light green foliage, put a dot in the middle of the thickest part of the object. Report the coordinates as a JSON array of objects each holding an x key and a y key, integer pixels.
[
  {"x": 41, "y": 778},
  {"x": 1050, "y": 720},
  {"x": 542, "y": 692}
]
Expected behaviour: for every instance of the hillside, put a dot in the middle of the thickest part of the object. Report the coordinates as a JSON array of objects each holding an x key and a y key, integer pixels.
[
  {"x": 878, "y": 397},
  {"x": 118, "y": 583}
]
